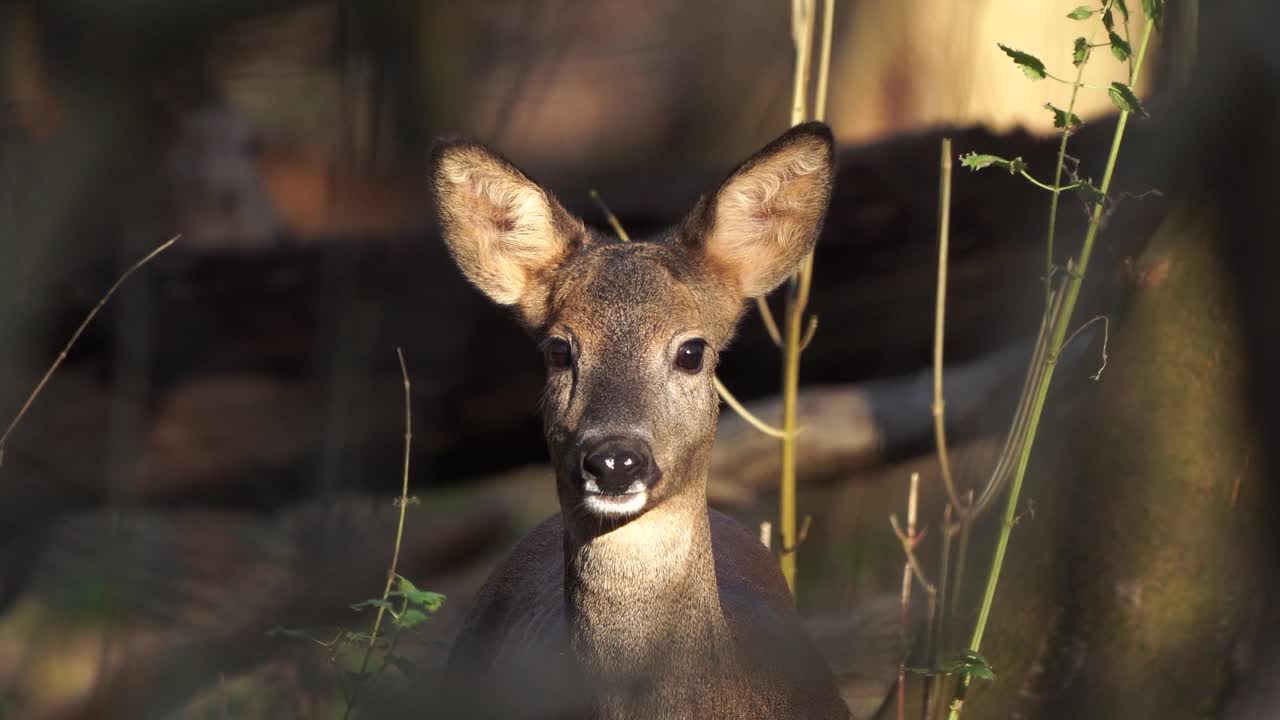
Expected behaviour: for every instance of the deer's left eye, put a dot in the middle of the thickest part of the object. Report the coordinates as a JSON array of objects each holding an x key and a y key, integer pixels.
[
  {"x": 559, "y": 354},
  {"x": 689, "y": 356}
]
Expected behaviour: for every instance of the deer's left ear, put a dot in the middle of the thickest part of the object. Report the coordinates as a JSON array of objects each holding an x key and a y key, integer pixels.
[{"x": 765, "y": 218}]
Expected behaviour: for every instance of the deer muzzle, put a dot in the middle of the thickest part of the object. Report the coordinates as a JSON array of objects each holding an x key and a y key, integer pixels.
[{"x": 617, "y": 474}]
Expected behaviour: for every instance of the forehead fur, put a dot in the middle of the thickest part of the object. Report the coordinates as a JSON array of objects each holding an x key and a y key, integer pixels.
[{"x": 611, "y": 286}]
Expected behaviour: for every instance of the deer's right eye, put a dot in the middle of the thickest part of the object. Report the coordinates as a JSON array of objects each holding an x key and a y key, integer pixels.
[
  {"x": 689, "y": 356},
  {"x": 559, "y": 354}
]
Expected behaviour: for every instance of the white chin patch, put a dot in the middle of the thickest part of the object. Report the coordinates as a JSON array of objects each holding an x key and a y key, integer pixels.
[{"x": 630, "y": 503}]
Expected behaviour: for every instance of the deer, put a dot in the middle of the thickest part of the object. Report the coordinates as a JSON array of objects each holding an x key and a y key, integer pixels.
[{"x": 636, "y": 600}]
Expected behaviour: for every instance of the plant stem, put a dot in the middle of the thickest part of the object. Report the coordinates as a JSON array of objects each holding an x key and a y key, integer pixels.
[
  {"x": 939, "y": 325},
  {"x": 1060, "y": 322},
  {"x": 746, "y": 414},
  {"x": 908, "y": 568},
  {"x": 1057, "y": 186},
  {"x": 792, "y": 322},
  {"x": 937, "y": 638},
  {"x": 66, "y": 349},
  {"x": 395, "y": 554},
  {"x": 1077, "y": 84},
  {"x": 610, "y": 217},
  {"x": 770, "y": 325},
  {"x": 1055, "y": 189},
  {"x": 802, "y": 12},
  {"x": 824, "y": 61},
  {"x": 802, "y": 36},
  {"x": 1057, "y": 173}
]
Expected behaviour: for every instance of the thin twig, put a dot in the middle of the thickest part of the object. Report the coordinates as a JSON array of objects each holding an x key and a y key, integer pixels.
[
  {"x": 1129, "y": 42},
  {"x": 962, "y": 561},
  {"x": 1057, "y": 178},
  {"x": 908, "y": 546},
  {"x": 940, "y": 324},
  {"x": 1077, "y": 84},
  {"x": 62, "y": 356},
  {"x": 805, "y": 525},
  {"x": 1040, "y": 360},
  {"x": 937, "y": 637},
  {"x": 608, "y": 214},
  {"x": 804, "y": 283},
  {"x": 1106, "y": 337},
  {"x": 802, "y": 37},
  {"x": 403, "y": 502},
  {"x": 824, "y": 61},
  {"x": 770, "y": 325},
  {"x": 802, "y": 12},
  {"x": 909, "y": 541},
  {"x": 1045, "y": 186},
  {"x": 746, "y": 414},
  {"x": 809, "y": 332}
]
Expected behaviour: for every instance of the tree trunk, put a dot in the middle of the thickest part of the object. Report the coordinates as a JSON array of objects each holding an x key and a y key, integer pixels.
[{"x": 1125, "y": 592}]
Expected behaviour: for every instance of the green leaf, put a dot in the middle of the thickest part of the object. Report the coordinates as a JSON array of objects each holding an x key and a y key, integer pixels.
[
  {"x": 1081, "y": 13},
  {"x": 1119, "y": 47},
  {"x": 1030, "y": 64},
  {"x": 1080, "y": 54},
  {"x": 1154, "y": 10},
  {"x": 1062, "y": 118},
  {"x": 1124, "y": 99},
  {"x": 372, "y": 602},
  {"x": 410, "y": 618},
  {"x": 966, "y": 662},
  {"x": 424, "y": 599},
  {"x": 982, "y": 672},
  {"x": 974, "y": 161},
  {"x": 1108, "y": 21},
  {"x": 1088, "y": 192},
  {"x": 1124, "y": 9}
]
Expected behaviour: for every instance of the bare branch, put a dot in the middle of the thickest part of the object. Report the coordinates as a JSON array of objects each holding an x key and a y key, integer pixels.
[{"x": 62, "y": 356}]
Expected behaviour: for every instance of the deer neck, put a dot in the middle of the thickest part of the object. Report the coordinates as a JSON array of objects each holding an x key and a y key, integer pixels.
[{"x": 642, "y": 598}]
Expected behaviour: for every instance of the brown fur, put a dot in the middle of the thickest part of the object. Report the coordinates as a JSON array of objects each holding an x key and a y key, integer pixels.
[{"x": 667, "y": 610}]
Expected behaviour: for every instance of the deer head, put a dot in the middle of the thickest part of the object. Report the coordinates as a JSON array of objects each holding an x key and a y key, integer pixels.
[{"x": 631, "y": 331}]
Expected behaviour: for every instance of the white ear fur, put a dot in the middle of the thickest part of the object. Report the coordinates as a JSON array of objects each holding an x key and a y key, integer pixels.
[
  {"x": 504, "y": 230},
  {"x": 767, "y": 215}
]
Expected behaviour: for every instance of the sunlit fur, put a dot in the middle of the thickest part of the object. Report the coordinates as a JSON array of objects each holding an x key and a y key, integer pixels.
[
  {"x": 767, "y": 215},
  {"x": 502, "y": 228}
]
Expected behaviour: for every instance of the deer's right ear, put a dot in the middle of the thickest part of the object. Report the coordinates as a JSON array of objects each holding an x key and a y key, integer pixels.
[{"x": 503, "y": 229}]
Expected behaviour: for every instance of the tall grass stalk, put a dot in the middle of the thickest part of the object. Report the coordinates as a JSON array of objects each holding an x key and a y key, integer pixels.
[{"x": 795, "y": 335}]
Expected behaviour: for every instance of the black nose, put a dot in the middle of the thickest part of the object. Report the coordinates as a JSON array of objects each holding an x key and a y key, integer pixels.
[{"x": 614, "y": 466}]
